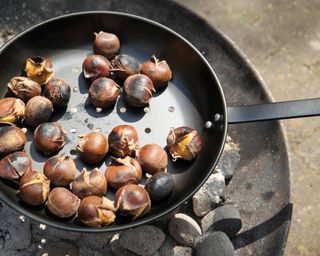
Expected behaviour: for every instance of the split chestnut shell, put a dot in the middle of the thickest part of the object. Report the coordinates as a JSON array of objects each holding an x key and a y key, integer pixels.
[
  {"x": 89, "y": 183},
  {"x": 12, "y": 110},
  {"x": 12, "y": 139},
  {"x": 95, "y": 66},
  {"x": 132, "y": 200},
  {"x": 125, "y": 66},
  {"x": 15, "y": 165},
  {"x": 34, "y": 188},
  {"x": 96, "y": 211},
  {"x": 58, "y": 92},
  {"x": 24, "y": 88},
  {"x": 184, "y": 142},
  {"x": 39, "y": 69},
  {"x": 123, "y": 171}
]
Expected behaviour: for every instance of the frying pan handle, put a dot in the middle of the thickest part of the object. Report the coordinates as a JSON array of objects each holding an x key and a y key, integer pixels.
[{"x": 274, "y": 111}]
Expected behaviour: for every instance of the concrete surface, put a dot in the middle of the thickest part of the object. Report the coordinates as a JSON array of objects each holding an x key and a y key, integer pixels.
[{"x": 282, "y": 40}]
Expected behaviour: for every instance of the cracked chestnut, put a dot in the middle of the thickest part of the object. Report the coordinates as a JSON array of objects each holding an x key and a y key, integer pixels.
[
  {"x": 89, "y": 183},
  {"x": 34, "y": 188},
  {"x": 96, "y": 211},
  {"x": 133, "y": 200},
  {"x": 38, "y": 69},
  {"x": 138, "y": 90},
  {"x": 125, "y": 66},
  {"x": 123, "y": 171},
  {"x": 58, "y": 92},
  {"x": 158, "y": 71},
  {"x": 12, "y": 139},
  {"x": 62, "y": 203},
  {"x": 123, "y": 140},
  {"x": 24, "y": 88},
  {"x": 103, "y": 92},
  {"x": 184, "y": 142},
  {"x": 61, "y": 170},
  {"x": 49, "y": 137},
  {"x": 12, "y": 110},
  {"x": 95, "y": 66},
  {"x": 160, "y": 186},
  {"x": 152, "y": 158},
  {"x": 106, "y": 44},
  {"x": 93, "y": 147},
  {"x": 38, "y": 111},
  {"x": 15, "y": 165}
]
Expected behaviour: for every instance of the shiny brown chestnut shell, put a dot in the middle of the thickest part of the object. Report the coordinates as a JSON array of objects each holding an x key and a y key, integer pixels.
[
  {"x": 15, "y": 165},
  {"x": 38, "y": 69},
  {"x": 138, "y": 90},
  {"x": 95, "y": 66},
  {"x": 106, "y": 44},
  {"x": 89, "y": 183},
  {"x": 125, "y": 66},
  {"x": 58, "y": 92},
  {"x": 123, "y": 171},
  {"x": 133, "y": 200},
  {"x": 152, "y": 158},
  {"x": 38, "y": 111},
  {"x": 12, "y": 110},
  {"x": 123, "y": 140},
  {"x": 93, "y": 147},
  {"x": 96, "y": 211},
  {"x": 34, "y": 188},
  {"x": 24, "y": 88},
  {"x": 103, "y": 92},
  {"x": 62, "y": 203},
  {"x": 158, "y": 71},
  {"x": 61, "y": 170},
  {"x": 49, "y": 137},
  {"x": 184, "y": 142},
  {"x": 160, "y": 186},
  {"x": 12, "y": 139}
]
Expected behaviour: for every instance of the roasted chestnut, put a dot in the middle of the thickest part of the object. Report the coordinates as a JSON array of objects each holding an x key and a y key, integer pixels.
[
  {"x": 138, "y": 90},
  {"x": 24, "y": 88},
  {"x": 12, "y": 110},
  {"x": 160, "y": 186},
  {"x": 39, "y": 69},
  {"x": 125, "y": 65},
  {"x": 61, "y": 170},
  {"x": 123, "y": 141},
  {"x": 93, "y": 147},
  {"x": 158, "y": 71},
  {"x": 133, "y": 200},
  {"x": 103, "y": 92},
  {"x": 15, "y": 165},
  {"x": 106, "y": 44},
  {"x": 184, "y": 142},
  {"x": 12, "y": 139},
  {"x": 34, "y": 188},
  {"x": 123, "y": 171},
  {"x": 96, "y": 211},
  {"x": 38, "y": 111},
  {"x": 89, "y": 183},
  {"x": 95, "y": 66},
  {"x": 49, "y": 137},
  {"x": 62, "y": 203},
  {"x": 58, "y": 92},
  {"x": 152, "y": 158}
]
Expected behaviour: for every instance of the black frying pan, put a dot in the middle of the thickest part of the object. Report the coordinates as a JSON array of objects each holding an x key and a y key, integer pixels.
[{"x": 193, "y": 98}]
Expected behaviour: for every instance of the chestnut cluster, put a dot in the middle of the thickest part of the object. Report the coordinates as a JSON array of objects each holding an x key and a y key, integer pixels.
[{"x": 140, "y": 81}]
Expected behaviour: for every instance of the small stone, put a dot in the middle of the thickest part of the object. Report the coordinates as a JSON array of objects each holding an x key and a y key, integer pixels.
[
  {"x": 229, "y": 159},
  {"x": 181, "y": 251},
  {"x": 184, "y": 229},
  {"x": 225, "y": 218},
  {"x": 167, "y": 247},
  {"x": 116, "y": 249},
  {"x": 209, "y": 195},
  {"x": 144, "y": 240},
  {"x": 213, "y": 244}
]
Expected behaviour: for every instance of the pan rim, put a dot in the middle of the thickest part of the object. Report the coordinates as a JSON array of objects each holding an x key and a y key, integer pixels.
[{"x": 146, "y": 219}]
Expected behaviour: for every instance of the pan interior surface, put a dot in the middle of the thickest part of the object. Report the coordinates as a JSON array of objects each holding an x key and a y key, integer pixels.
[{"x": 193, "y": 97}]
